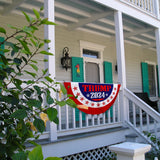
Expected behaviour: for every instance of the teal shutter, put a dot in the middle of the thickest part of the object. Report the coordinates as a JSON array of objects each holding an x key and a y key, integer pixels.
[
  {"x": 158, "y": 81},
  {"x": 108, "y": 78},
  {"x": 78, "y": 76},
  {"x": 145, "y": 81},
  {"x": 1, "y": 47}
]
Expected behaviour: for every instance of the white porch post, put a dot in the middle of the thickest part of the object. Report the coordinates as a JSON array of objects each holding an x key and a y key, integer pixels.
[
  {"x": 156, "y": 8},
  {"x": 157, "y": 32},
  {"x": 120, "y": 61},
  {"x": 50, "y": 34}
]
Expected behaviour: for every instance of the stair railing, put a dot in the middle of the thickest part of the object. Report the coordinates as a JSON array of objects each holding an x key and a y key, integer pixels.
[{"x": 142, "y": 118}]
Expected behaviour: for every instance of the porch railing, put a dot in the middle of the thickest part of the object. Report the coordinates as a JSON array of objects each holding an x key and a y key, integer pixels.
[
  {"x": 149, "y": 6},
  {"x": 71, "y": 122},
  {"x": 141, "y": 117}
]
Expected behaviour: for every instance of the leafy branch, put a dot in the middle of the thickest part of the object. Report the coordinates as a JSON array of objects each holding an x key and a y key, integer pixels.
[{"x": 26, "y": 105}]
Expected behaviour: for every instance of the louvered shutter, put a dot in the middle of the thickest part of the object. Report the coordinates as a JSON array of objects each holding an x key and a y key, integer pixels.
[
  {"x": 108, "y": 78},
  {"x": 145, "y": 80},
  {"x": 78, "y": 76}
]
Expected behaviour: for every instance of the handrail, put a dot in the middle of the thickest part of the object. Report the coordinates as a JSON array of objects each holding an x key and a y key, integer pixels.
[
  {"x": 141, "y": 117},
  {"x": 144, "y": 106}
]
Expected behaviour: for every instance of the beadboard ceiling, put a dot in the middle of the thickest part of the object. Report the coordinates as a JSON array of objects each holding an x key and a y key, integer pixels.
[{"x": 88, "y": 16}]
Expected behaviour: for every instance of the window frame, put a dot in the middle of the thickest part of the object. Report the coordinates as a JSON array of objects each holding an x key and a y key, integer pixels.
[{"x": 99, "y": 61}]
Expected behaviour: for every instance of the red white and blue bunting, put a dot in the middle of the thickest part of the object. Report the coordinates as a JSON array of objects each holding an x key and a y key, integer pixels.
[{"x": 92, "y": 98}]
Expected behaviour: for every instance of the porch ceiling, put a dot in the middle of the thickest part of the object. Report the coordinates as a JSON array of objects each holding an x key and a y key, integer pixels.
[{"x": 88, "y": 16}]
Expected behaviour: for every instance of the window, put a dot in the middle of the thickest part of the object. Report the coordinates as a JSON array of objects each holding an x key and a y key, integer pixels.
[
  {"x": 93, "y": 61},
  {"x": 152, "y": 80}
]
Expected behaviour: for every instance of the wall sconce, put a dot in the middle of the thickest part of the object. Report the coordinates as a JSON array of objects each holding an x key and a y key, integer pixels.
[{"x": 66, "y": 60}]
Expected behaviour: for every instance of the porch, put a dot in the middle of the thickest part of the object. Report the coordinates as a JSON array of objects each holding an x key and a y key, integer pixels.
[{"x": 126, "y": 33}]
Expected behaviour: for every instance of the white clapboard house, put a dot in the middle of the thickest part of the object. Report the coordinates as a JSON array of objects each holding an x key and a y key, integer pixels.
[{"x": 115, "y": 41}]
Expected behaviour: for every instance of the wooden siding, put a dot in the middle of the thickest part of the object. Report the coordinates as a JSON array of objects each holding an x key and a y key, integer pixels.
[{"x": 134, "y": 54}]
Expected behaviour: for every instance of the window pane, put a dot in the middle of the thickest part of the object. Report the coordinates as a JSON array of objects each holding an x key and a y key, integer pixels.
[
  {"x": 90, "y": 54},
  {"x": 92, "y": 72},
  {"x": 151, "y": 78}
]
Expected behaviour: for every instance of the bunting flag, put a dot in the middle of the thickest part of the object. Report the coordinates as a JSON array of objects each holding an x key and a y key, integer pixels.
[{"x": 92, "y": 98}]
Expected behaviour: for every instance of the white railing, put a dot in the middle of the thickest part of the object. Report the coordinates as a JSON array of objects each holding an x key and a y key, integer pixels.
[
  {"x": 149, "y": 6},
  {"x": 71, "y": 122},
  {"x": 141, "y": 117}
]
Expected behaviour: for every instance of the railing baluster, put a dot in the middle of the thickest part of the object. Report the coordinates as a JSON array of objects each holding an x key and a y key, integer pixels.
[
  {"x": 118, "y": 109},
  {"x": 104, "y": 118},
  {"x": 134, "y": 115},
  {"x": 59, "y": 116},
  {"x": 87, "y": 120},
  {"x": 80, "y": 119},
  {"x": 141, "y": 120},
  {"x": 67, "y": 117},
  {"x": 147, "y": 123},
  {"x": 155, "y": 128},
  {"x": 145, "y": 4},
  {"x": 74, "y": 118},
  {"x": 109, "y": 116},
  {"x": 114, "y": 118}
]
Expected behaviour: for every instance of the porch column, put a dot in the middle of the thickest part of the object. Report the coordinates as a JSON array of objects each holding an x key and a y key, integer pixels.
[
  {"x": 156, "y": 8},
  {"x": 157, "y": 33},
  {"x": 120, "y": 61},
  {"x": 50, "y": 34}
]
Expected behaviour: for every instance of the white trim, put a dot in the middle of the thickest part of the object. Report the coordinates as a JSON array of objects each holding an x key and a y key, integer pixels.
[
  {"x": 99, "y": 61},
  {"x": 50, "y": 34}
]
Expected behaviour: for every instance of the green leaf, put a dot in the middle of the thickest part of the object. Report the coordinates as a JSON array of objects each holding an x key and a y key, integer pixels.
[
  {"x": 61, "y": 103},
  {"x": 34, "y": 61},
  {"x": 2, "y": 30},
  {"x": 18, "y": 83},
  {"x": 31, "y": 73},
  {"x": 34, "y": 67},
  {"x": 46, "y": 53},
  {"x": 71, "y": 103},
  {"x": 24, "y": 59},
  {"x": 53, "y": 158},
  {"x": 10, "y": 26},
  {"x": 19, "y": 156},
  {"x": 48, "y": 79},
  {"x": 56, "y": 120},
  {"x": 36, "y": 13},
  {"x": 45, "y": 71},
  {"x": 38, "y": 89},
  {"x": 47, "y": 41},
  {"x": 63, "y": 89},
  {"x": 19, "y": 114},
  {"x": 24, "y": 44},
  {"x": 45, "y": 21},
  {"x": 49, "y": 99},
  {"x": 39, "y": 124},
  {"x": 34, "y": 103},
  {"x": 52, "y": 113},
  {"x": 35, "y": 43},
  {"x": 4, "y": 60},
  {"x": 18, "y": 61},
  {"x": 36, "y": 154},
  {"x": 28, "y": 18}
]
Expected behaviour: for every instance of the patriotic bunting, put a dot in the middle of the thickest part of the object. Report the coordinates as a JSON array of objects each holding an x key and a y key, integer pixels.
[{"x": 92, "y": 98}]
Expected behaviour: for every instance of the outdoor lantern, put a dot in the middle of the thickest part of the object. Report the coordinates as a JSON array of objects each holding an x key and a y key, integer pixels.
[{"x": 66, "y": 60}]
